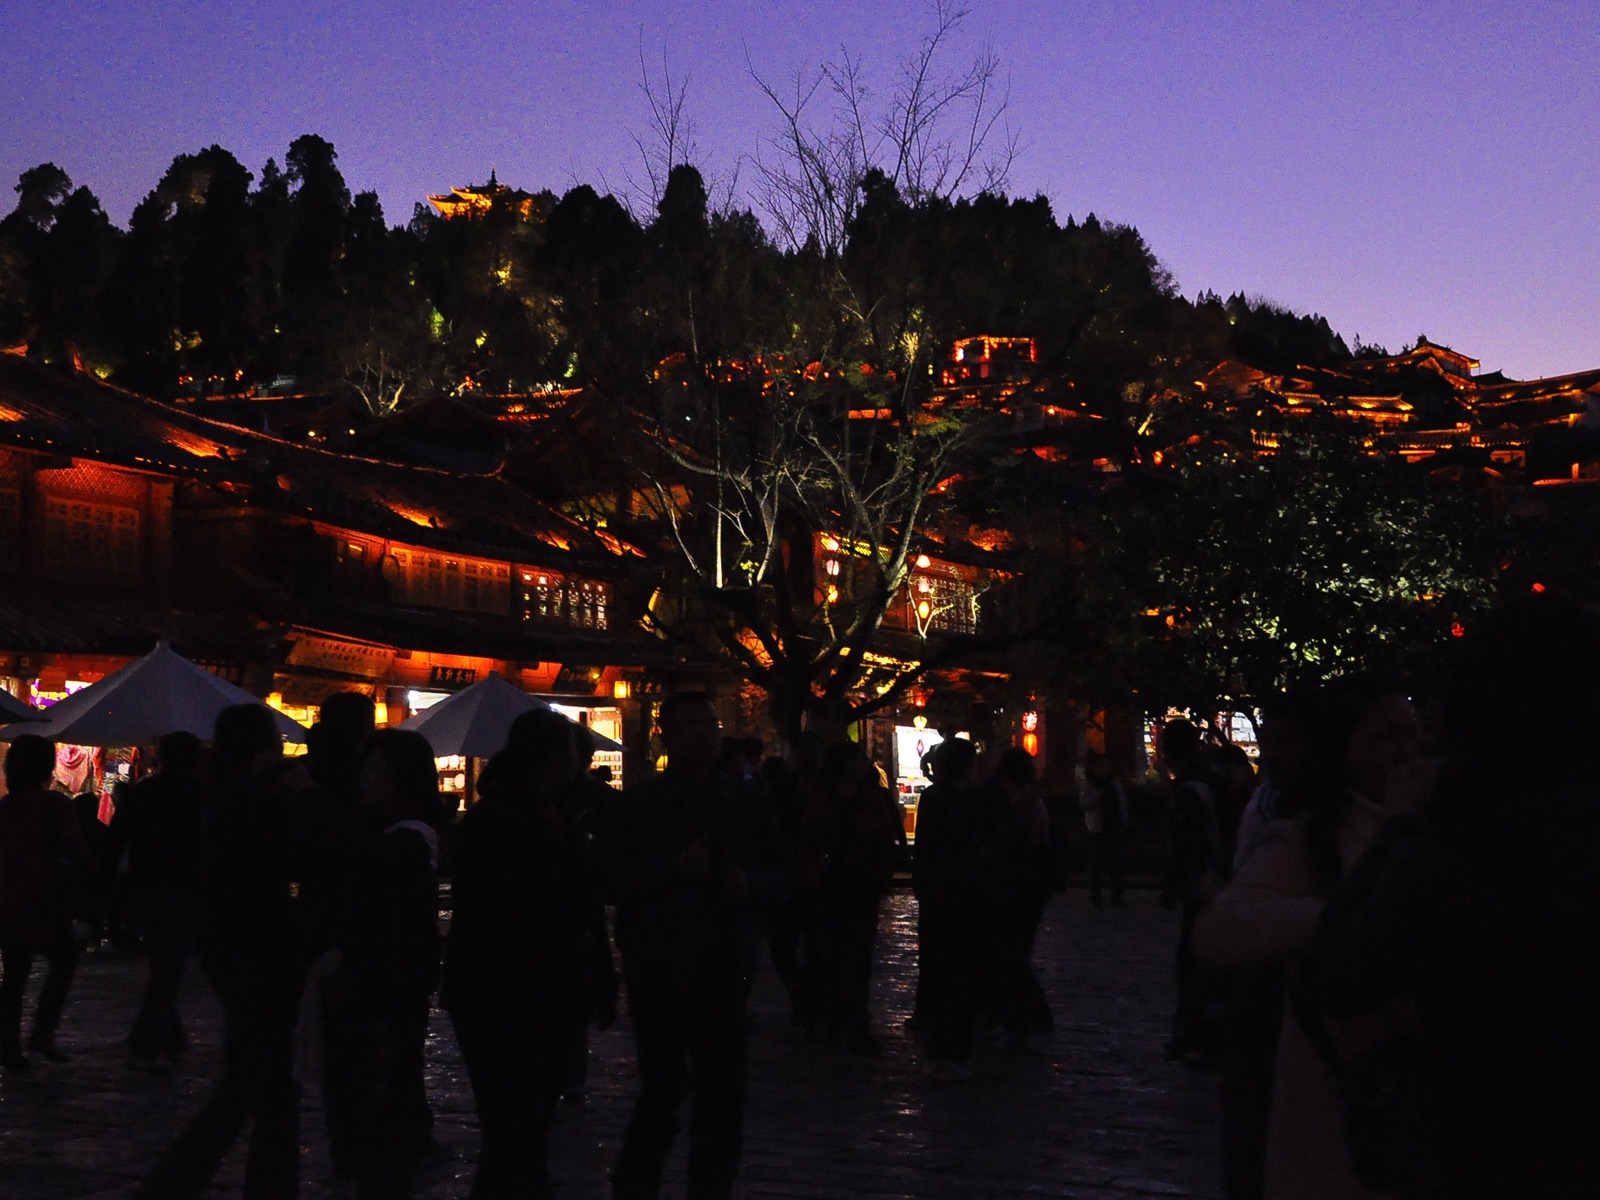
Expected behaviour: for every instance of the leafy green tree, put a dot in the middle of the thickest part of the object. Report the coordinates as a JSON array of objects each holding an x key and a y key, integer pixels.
[{"x": 1231, "y": 570}]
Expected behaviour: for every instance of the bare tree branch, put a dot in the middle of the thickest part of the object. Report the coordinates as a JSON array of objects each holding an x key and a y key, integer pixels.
[{"x": 937, "y": 136}]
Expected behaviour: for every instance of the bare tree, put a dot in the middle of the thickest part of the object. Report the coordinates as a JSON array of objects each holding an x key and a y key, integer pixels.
[
  {"x": 383, "y": 379},
  {"x": 668, "y": 140},
  {"x": 746, "y": 479},
  {"x": 937, "y": 135}
]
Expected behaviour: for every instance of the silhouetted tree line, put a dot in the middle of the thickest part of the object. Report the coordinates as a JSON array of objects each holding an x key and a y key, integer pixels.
[{"x": 225, "y": 280}]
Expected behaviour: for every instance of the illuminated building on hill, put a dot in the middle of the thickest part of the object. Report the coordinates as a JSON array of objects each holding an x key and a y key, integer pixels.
[{"x": 476, "y": 200}]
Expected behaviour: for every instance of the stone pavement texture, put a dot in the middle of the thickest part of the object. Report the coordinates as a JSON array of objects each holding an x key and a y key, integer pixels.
[{"x": 1091, "y": 1111}]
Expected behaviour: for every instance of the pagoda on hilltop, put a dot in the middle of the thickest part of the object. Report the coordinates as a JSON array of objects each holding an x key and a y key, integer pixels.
[{"x": 476, "y": 200}]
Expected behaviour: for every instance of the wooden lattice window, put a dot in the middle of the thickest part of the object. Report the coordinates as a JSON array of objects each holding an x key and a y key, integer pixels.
[{"x": 98, "y": 540}]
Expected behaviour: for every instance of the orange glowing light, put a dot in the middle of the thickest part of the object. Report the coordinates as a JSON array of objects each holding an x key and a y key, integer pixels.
[
  {"x": 415, "y": 515},
  {"x": 1030, "y": 721},
  {"x": 1030, "y": 743}
]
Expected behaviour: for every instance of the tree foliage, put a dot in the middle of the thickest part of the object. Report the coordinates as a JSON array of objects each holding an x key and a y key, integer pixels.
[{"x": 1222, "y": 575}]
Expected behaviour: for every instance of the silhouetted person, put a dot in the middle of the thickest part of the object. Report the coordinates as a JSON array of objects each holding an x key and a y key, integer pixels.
[
  {"x": 388, "y": 939},
  {"x": 159, "y": 819},
  {"x": 527, "y": 954},
  {"x": 792, "y": 921},
  {"x": 958, "y": 909},
  {"x": 1479, "y": 900},
  {"x": 95, "y": 916},
  {"x": 1019, "y": 836},
  {"x": 335, "y": 748},
  {"x": 1254, "y": 993},
  {"x": 1104, "y": 802},
  {"x": 41, "y": 848},
  {"x": 692, "y": 857},
  {"x": 1199, "y": 866},
  {"x": 335, "y": 745},
  {"x": 854, "y": 828},
  {"x": 267, "y": 844},
  {"x": 589, "y": 805}
]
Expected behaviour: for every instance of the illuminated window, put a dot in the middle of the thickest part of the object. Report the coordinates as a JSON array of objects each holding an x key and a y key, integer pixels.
[{"x": 550, "y": 599}]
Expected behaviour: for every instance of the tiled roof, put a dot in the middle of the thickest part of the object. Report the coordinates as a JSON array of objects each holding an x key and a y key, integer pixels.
[{"x": 484, "y": 514}]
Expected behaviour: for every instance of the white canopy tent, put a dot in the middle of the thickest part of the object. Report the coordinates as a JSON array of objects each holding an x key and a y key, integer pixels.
[
  {"x": 475, "y": 721},
  {"x": 161, "y": 693},
  {"x": 12, "y": 709}
]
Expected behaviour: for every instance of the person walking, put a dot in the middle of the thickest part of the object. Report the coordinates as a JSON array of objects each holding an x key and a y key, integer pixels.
[
  {"x": 1478, "y": 902},
  {"x": 268, "y": 845},
  {"x": 854, "y": 828},
  {"x": 693, "y": 858},
  {"x": 162, "y": 814},
  {"x": 1019, "y": 834},
  {"x": 1200, "y": 865},
  {"x": 41, "y": 851},
  {"x": 527, "y": 954}
]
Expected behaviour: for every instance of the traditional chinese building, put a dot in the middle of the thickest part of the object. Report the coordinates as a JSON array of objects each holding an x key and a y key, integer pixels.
[
  {"x": 475, "y": 200},
  {"x": 1429, "y": 402},
  {"x": 292, "y": 570}
]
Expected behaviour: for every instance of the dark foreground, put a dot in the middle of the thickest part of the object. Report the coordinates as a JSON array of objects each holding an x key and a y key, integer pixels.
[{"x": 1091, "y": 1111}]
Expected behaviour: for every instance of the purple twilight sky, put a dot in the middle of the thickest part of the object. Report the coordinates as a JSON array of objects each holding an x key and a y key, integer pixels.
[{"x": 1401, "y": 168}]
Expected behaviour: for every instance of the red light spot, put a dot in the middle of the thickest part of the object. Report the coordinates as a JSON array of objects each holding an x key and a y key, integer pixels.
[
  {"x": 1538, "y": 587},
  {"x": 1458, "y": 630}
]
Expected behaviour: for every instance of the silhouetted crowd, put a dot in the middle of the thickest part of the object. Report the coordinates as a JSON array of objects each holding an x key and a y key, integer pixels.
[{"x": 1386, "y": 939}]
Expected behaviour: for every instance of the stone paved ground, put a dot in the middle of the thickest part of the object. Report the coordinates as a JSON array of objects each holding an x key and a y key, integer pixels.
[{"x": 1092, "y": 1111}]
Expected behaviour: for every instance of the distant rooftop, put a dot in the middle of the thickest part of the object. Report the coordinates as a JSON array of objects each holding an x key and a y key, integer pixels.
[{"x": 475, "y": 200}]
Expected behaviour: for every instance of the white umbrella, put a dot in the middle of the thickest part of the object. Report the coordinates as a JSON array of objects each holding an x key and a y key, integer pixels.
[
  {"x": 12, "y": 709},
  {"x": 476, "y": 720},
  {"x": 161, "y": 693}
]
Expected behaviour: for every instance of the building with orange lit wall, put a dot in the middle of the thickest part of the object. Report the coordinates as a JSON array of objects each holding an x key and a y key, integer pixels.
[{"x": 289, "y": 569}]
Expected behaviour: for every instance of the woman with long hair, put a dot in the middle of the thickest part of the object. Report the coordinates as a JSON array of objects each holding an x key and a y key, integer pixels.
[{"x": 1364, "y": 731}]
